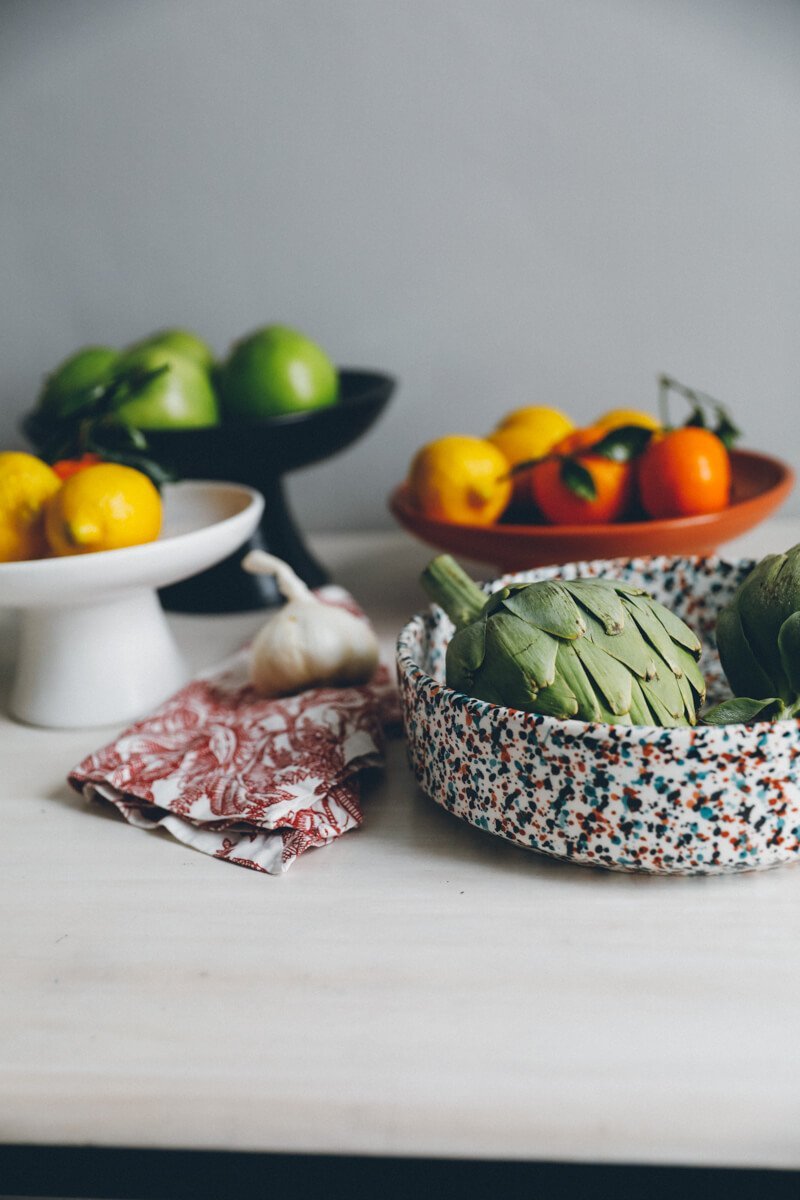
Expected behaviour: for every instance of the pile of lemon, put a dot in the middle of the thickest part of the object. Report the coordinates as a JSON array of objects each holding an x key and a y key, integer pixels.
[
  {"x": 99, "y": 506},
  {"x": 471, "y": 480}
]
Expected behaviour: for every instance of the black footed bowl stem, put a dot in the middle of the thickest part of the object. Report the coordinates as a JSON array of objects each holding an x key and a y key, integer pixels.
[{"x": 259, "y": 455}]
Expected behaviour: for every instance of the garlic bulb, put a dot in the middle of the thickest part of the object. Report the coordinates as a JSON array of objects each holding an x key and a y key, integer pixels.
[{"x": 307, "y": 643}]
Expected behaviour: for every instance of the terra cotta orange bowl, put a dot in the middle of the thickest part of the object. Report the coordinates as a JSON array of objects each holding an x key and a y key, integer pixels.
[{"x": 760, "y": 485}]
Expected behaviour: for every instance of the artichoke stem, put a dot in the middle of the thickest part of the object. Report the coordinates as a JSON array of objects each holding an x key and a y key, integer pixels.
[{"x": 451, "y": 588}]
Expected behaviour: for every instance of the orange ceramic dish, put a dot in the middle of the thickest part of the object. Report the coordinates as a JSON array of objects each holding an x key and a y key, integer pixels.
[{"x": 760, "y": 485}]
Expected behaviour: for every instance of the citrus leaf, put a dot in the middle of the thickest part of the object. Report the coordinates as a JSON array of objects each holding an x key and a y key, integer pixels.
[
  {"x": 623, "y": 444},
  {"x": 726, "y": 431},
  {"x": 696, "y": 418},
  {"x": 578, "y": 479}
]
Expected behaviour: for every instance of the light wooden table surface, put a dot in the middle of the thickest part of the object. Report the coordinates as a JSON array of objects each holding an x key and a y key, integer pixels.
[{"x": 418, "y": 988}]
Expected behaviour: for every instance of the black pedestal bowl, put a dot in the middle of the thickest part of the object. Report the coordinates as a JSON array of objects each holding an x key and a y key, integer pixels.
[{"x": 259, "y": 455}]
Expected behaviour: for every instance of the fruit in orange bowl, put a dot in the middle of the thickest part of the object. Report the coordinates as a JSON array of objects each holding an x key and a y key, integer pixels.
[
  {"x": 461, "y": 479},
  {"x": 585, "y": 490},
  {"x": 527, "y": 434},
  {"x": 760, "y": 484},
  {"x": 684, "y": 473}
]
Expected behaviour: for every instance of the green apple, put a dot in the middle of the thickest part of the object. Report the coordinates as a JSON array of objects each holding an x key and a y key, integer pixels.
[
  {"x": 274, "y": 371},
  {"x": 181, "y": 397},
  {"x": 182, "y": 341},
  {"x": 75, "y": 378}
]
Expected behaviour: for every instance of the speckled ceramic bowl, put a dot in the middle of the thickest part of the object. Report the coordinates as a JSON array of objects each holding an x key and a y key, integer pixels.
[{"x": 663, "y": 801}]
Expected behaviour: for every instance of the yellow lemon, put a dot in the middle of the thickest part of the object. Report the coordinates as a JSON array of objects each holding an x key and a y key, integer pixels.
[
  {"x": 460, "y": 479},
  {"x": 615, "y": 418},
  {"x": 25, "y": 484},
  {"x": 521, "y": 442},
  {"x": 105, "y": 507},
  {"x": 547, "y": 424}
]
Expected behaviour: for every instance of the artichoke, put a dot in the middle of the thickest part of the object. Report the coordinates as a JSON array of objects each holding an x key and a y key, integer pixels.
[
  {"x": 597, "y": 650},
  {"x": 758, "y": 638}
]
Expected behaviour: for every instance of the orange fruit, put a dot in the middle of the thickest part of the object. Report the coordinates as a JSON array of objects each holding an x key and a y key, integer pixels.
[
  {"x": 560, "y": 505},
  {"x": 26, "y": 483},
  {"x": 104, "y": 507},
  {"x": 68, "y": 466},
  {"x": 685, "y": 473},
  {"x": 461, "y": 479},
  {"x": 579, "y": 439}
]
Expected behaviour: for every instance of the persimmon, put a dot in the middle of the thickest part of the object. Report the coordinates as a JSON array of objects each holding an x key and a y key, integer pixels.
[{"x": 684, "y": 473}]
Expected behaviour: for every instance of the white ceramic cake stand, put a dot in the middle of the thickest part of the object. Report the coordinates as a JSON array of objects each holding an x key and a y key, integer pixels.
[{"x": 94, "y": 645}]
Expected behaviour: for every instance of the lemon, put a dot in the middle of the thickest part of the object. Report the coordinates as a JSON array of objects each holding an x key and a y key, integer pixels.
[
  {"x": 25, "y": 484},
  {"x": 615, "y": 418},
  {"x": 460, "y": 479},
  {"x": 544, "y": 425},
  {"x": 521, "y": 442},
  {"x": 105, "y": 507}
]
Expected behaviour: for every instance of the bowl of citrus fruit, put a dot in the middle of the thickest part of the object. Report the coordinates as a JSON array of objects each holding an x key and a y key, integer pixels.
[
  {"x": 274, "y": 403},
  {"x": 538, "y": 490},
  {"x": 84, "y": 544}
]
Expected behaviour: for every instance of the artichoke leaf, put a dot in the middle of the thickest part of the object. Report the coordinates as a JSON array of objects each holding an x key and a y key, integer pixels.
[
  {"x": 662, "y": 714},
  {"x": 611, "y": 678},
  {"x": 531, "y": 650},
  {"x": 556, "y": 701},
  {"x": 654, "y": 631},
  {"x": 743, "y": 670},
  {"x": 641, "y": 713},
  {"x": 599, "y": 599},
  {"x": 495, "y": 601},
  {"x": 762, "y": 610},
  {"x": 789, "y": 646},
  {"x": 665, "y": 685},
  {"x": 623, "y": 588},
  {"x": 627, "y": 647},
  {"x": 677, "y": 629},
  {"x": 742, "y": 709},
  {"x": 570, "y": 669},
  {"x": 467, "y": 646},
  {"x": 687, "y": 696},
  {"x": 692, "y": 672},
  {"x": 548, "y": 606}
]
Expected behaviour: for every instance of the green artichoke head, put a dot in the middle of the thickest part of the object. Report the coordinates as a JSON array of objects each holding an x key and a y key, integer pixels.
[
  {"x": 596, "y": 650},
  {"x": 758, "y": 638}
]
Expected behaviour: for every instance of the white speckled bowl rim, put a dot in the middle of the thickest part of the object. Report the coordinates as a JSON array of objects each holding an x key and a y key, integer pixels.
[{"x": 737, "y": 805}]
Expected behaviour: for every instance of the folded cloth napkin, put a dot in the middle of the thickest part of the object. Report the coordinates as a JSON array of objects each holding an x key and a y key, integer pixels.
[{"x": 250, "y": 780}]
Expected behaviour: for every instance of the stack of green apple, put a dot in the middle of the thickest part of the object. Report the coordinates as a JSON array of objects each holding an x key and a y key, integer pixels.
[{"x": 104, "y": 400}]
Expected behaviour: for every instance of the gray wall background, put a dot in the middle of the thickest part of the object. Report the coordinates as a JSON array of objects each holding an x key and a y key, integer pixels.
[{"x": 502, "y": 202}]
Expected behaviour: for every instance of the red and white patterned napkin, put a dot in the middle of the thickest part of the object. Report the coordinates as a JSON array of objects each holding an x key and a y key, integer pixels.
[{"x": 252, "y": 781}]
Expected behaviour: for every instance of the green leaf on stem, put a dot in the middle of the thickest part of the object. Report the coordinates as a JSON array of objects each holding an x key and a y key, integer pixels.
[
  {"x": 622, "y": 444},
  {"x": 578, "y": 479}
]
